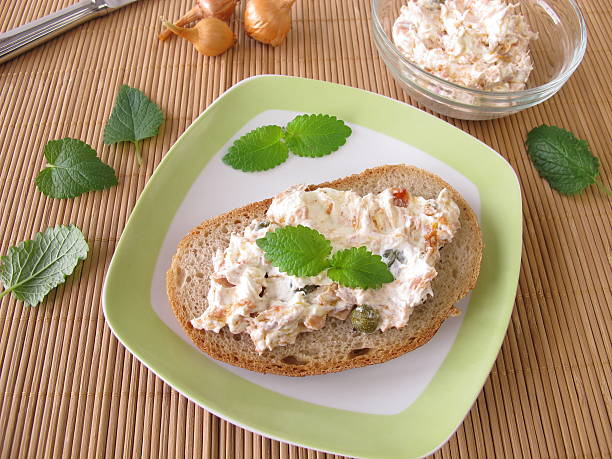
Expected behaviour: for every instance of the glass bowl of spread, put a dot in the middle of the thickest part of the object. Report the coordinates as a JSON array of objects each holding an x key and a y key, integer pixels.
[{"x": 479, "y": 59}]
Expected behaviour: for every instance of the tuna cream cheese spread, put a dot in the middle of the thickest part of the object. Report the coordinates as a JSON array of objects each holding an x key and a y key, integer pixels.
[
  {"x": 479, "y": 44},
  {"x": 248, "y": 294}
]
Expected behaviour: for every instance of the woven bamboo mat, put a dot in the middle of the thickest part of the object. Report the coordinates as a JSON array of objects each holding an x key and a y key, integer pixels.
[{"x": 70, "y": 389}]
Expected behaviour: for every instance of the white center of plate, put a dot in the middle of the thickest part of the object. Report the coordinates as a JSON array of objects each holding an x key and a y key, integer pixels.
[{"x": 387, "y": 388}]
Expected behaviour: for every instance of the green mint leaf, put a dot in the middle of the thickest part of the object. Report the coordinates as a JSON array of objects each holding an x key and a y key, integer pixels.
[
  {"x": 296, "y": 250},
  {"x": 73, "y": 169},
  {"x": 33, "y": 268},
  {"x": 315, "y": 135},
  {"x": 359, "y": 268},
  {"x": 562, "y": 159},
  {"x": 134, "y": 118},
  {"x": 259, "y": 150}
]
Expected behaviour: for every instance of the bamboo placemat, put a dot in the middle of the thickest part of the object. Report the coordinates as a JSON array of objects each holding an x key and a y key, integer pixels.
[{"x": 70, "y": 389}]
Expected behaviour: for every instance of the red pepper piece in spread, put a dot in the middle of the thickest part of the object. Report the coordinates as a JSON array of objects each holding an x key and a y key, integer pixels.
[{"x": 400, "y": 196}]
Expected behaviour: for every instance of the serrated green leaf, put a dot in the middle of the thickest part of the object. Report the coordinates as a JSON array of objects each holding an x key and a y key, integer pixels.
[
  {"x": 134, "y": 118},
  {"x": 315, "y": 135},
  {"x": 359, "y": 268},
  {"x": 296, "y": 250},
  {"x": 259, "y": 150},
  {"x": 73, "y": 169},
  {"x": 562, "y": 159},
  {"x": 33, "y": 268}
]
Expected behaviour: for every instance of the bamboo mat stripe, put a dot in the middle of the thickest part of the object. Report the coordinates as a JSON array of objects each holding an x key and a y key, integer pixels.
[{"x": 69, "y": 389}]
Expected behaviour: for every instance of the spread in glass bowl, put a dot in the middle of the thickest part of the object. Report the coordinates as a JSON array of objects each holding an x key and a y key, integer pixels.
[{"x": 479, "y": 44}]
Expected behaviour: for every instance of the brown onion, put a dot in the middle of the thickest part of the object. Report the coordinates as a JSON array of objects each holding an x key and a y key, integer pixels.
[
  {"x": 210, "y": 36},
  {"x": 220, "y": 9},
  {"x": 268, "y": 21}
]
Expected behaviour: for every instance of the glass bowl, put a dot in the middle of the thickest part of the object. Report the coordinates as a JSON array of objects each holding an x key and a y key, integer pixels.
[{"x": 556, "y": 53}]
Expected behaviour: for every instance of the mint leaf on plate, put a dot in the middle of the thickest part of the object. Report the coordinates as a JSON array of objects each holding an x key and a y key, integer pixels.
[
  {"x": 134, "y": 118},
  {"x": 32, "y": 268},
  {"x": 73, "y": 169},
  {"x": 315, "y": 135},
  {"x": 296, "y": 250},
  {"x": 359, "y": 268},
  {"x": 259, "y": 150},
  {"x": 563, "y": 160}
]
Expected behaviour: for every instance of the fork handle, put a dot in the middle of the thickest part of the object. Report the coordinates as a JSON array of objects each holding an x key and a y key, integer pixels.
[{"x": 27, "y": 36}]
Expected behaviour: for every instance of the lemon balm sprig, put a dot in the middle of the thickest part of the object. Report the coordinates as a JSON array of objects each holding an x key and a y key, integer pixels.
[
  {"x": 268, "y": 146},
  {"x": 304, "y": 252}
]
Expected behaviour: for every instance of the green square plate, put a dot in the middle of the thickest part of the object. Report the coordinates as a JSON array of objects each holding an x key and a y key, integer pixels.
[{"x": 403, "y": 408}]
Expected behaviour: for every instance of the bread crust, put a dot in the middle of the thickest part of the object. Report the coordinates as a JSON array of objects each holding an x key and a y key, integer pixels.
[{"x": 313, "y": 353}]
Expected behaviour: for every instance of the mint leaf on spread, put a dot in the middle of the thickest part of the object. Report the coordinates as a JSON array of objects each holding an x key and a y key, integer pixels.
[
  {"x": 73, "y": 169},
  {"x": 268, "y": 146},
  {"x": 357, "y": 267},
  {"x": 562, "y": 159},
  {"x": 31, "y": 269},
  {"x": 316, "y": 135},
  {"x": 304, "y": 252},
  {"x": 259, "y": 150},
  {"x": 134, "y": 118},
  {"x": 296, "y": 250}
]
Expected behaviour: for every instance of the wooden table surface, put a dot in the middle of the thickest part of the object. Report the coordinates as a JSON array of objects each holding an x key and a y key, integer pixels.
[{"x": 70, "y": 389}]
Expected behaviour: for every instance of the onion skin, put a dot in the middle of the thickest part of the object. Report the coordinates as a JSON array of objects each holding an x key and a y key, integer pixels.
[
  {"x": 210, "y": 36},
  {"x": 220, "y": 9},
  {"x": 268, "y": 21}
]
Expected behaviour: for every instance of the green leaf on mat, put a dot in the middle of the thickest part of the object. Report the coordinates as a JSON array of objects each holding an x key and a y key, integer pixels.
[
  {"x": 73, "y": 169},
  {"x": 31, "y": 269},
  {"x": 134, "y": 118},
  {"x": 562, "y": 159}
]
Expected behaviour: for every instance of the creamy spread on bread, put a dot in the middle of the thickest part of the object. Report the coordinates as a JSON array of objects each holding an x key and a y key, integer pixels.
[
  {"x": 249, "y": 295},
  {"x": 480, "y": 44}
]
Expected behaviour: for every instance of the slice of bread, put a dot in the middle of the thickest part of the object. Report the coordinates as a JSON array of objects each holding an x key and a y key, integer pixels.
[{"x": 337, "y": 346}]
